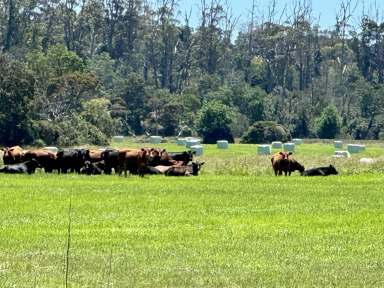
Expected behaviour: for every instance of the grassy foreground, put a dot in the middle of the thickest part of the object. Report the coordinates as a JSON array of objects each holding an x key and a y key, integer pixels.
[{"x": 209, "y": 231}]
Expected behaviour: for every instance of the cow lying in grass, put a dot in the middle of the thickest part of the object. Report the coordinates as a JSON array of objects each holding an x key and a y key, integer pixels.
[
  {"x": 187, "y": 170},
  {"x": 176, "y": 170},
  {"x": 93, "y": 168},
  {"x": 21, "y": 168},
  {"x": 320, "y": 171}
]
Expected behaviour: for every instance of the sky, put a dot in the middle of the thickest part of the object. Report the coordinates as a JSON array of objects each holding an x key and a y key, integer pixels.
[{"x": 324, "y": 10}]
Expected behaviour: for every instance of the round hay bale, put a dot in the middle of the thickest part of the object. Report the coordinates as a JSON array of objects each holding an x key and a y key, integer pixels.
[
  {"x": 192, "y": 142},
  {"x": 155, "y": 139},
  {"x": 277, "y": 145},
  {"x": 341, "y": 154},
  {"x": 264, "y": 149},
  {"x": 198, "y": 149},
  {"x": 338, "y": 144},
  {"x": 355, "y": 148},
  {"x": 118, "y": 138},
  {"x": 181, "y": 141},
  {"x": 367, "y": 161},
  {"x": 289, "y": 147},
  {"x": 297, "y": 141},
  {"x": 222, "y": 144}
]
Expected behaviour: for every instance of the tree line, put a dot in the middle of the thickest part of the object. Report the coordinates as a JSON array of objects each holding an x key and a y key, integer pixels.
[{"x": 80, "y": 71}]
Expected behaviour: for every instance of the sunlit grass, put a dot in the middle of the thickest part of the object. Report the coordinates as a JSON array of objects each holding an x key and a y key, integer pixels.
[{"x": 210, "y": 231}]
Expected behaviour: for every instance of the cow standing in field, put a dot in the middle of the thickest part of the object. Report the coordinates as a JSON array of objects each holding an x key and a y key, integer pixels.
[
  {"x": 111, "y": 160},
  {"x": 133, "y": 160},
  {"x": 70, "y": 159},
  {"x": 45, "y": 159},
  {"x": 93, "y": 155},
  {"x": 293, "y": 165},
  {"x": 21, "y": 168},
  {"x": 320, "y": 171},
  {"x": 280, "y": 162},
  {"x": 12, "y": 155}
]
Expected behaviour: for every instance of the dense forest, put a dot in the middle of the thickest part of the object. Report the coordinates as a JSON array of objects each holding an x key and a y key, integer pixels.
[{"x": 81, "y": 71}]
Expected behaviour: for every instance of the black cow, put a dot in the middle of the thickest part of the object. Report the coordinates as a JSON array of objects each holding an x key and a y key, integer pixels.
[
  {"x": 185, "y": 156},
  {"x": 93, "y": 168},
  {"x": 320, "y": 171},
  {"x": 111, "y": 160},
  {"x": 21, "y": 168},
  {"x": 70, "y": 159},
  {"x": 187, "y": 170}
]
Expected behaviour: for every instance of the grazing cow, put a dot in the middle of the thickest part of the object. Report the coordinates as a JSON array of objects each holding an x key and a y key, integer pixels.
[
  {"x": 134, "y": 161},
  {"x": 185, "y": 156},
  {"x": 93, "y": 168},
  {"x": 21, "y": 168},
  {"x": 293, "y": 165},
  {"x": 320, "y": 171},
  {"x": 280, "y": 162},
  {"x": 12, "y": 155},
  {"x": 70, "y": 159},
  {"x": 46, "y": 159},
  {"x": 111, "y": 160},
  {"x": 93, "y": 155},
  {"x": 187, "y": 170}
]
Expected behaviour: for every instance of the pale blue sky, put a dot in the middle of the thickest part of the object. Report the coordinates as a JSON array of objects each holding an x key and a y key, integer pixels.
[{"x": 325, "y": 10}]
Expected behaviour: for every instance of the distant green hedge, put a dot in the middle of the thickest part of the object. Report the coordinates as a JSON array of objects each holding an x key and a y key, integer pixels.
[{"x": 266, "y": 132}]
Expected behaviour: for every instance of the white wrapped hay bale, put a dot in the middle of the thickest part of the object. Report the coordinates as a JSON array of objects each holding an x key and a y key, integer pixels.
[
  {"x": 264, "y": 149},
  {"x": 289, "y": 147},
  {"x": 341, "y": 154},
  {"x": 198, "y": 149},
  {"x": 297, "y": 141},
  {"x": 222, "y": 144},
  {"x": 367, "y": 161},
  {"x": 192, "y": 142},
  {"x": 51, "y": 149},
  {"x": 118, "y": 138},
  {"x": 155, "y": 139},
  {"x": 277, "y": 145},
  {"x": 338, "y": 144},
  {"x": 181, "y": 141},
  {"x": 355, "y": 148}
]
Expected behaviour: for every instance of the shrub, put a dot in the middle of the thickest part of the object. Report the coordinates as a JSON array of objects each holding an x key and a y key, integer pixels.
[
  {"x": 266, "y": 132},
  {"x": 328, "y": 124},
  {"x": 213, "y": 122}
]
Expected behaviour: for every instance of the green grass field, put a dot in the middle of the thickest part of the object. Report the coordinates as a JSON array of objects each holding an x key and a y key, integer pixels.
[{"x": 228, "y": 227}]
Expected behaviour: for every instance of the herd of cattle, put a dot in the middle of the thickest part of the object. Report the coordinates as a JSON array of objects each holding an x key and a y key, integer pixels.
[
  {"x": 135, "y": 161},
  {"x": 95, "y": 161}
]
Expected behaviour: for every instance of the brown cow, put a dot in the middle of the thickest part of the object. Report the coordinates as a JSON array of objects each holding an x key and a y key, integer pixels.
[
  {"x": 186, "y": 170},
  {"x": 93, "y": 155},
  {"x": 133, "y": 160},
  {"x": 13, "y": 155},
  {"x": 280, "y": 162},
  {"x": 46, "y": 159},
  {"x": 293, "y": 166}
]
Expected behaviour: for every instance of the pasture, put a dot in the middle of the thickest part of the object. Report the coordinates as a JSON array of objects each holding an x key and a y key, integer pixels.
[{"x": 225, "y": 228}]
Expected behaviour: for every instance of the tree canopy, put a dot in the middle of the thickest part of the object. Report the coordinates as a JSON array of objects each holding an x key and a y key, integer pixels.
[{"x": 78, "y": 71}]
